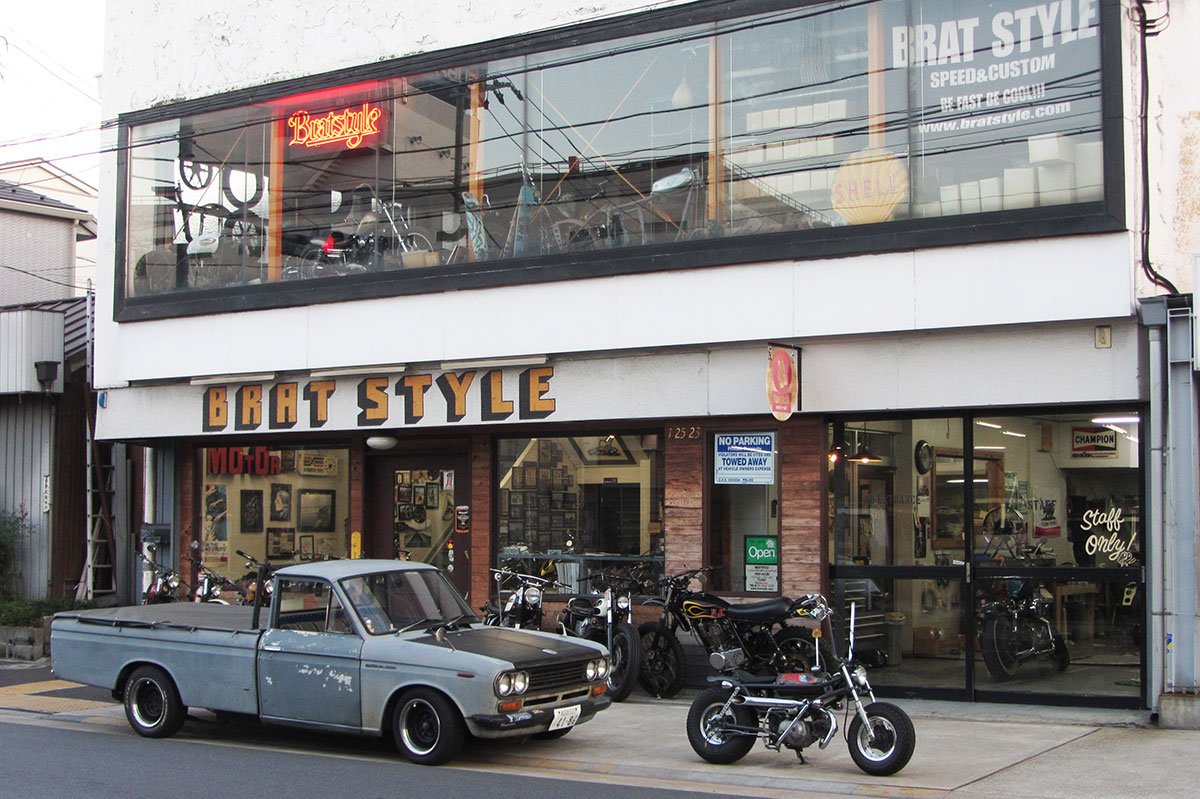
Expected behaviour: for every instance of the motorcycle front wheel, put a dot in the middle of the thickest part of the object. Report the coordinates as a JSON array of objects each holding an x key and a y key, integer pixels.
[
  {"x": 626, "y": 661},
  {"x": 708, "y": 728},
  {"x": 661, "y": 673},
  {"x": 999, "y": 654},
  {"x": 885, "y": 743}
]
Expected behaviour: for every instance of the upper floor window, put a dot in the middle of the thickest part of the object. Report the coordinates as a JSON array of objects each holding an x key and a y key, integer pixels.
[{"x": 804, "y": 118}]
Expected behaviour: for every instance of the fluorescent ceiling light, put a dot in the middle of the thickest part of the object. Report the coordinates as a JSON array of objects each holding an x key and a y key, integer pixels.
[
  {"x": 961, "y": 480},
  {"x": 1127, "y": 419},
  {"x": 348, "y": 371},
  {"x": 1011, "y": 433},
  {"x": 992, "y": 448},
  {"x": 213, "y": 380},
  {"x": 495, "y": 363},
  {"x": 988, "y": 424}
]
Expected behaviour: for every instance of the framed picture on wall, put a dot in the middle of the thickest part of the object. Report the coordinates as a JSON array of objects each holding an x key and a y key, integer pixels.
[
  {"x": 216, "y": 513},
  {"x": 433, "y": 495},
  {"x": 600, "y": 450},
  {"x": 419, "y": 494},
  {"x": 316, "y": 509},
  {"x": 531, "y": 475},
  {"x": 281, "y": 502},
  {"x": 281, "y": 542},
  {"x": 518, "y": 477},
  {"x": 307, "y": 546},
  {"x": 252, "y": 510}
]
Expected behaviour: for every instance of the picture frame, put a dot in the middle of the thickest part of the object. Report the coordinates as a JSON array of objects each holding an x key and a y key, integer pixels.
[
  {"x": 518, "y": 477},
  {"x": 433, "y": 494},
  {"x": 307, "y": 546},
  {"x": 281, "y": 542},
  {"x": 602, "y": 450},
  {"x": 503, "y": 503},
  {"x": 281, "y": 502},
  {"x": 418, "y": 494},
  {"x": 403, "y": 494},
  {"x": 531, "y": 475},
  {"x": 216, "y": 512},
  {"x": 316, "y": 510},
  {"x": 403, "y": 477},
  {"x": 544, "y": 477},
  {"x": 251, "y": 507}
]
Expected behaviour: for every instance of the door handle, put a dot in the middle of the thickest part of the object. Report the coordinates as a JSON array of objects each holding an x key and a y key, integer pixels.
[{"x": 272, "y": 647}]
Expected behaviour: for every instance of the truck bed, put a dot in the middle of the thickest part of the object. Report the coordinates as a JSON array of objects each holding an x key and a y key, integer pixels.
[
  {"x": 190, "y": 615},
  {"x": 208, "y": 649}
]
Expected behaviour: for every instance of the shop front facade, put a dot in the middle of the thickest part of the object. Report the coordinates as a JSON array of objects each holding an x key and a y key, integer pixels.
[{"x": 508, "y": 302}]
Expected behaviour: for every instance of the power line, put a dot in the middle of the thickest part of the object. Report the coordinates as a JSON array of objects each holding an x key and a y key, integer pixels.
[
  {"x": 35, "y": 59},
  {"x": 41, "y": 277}
]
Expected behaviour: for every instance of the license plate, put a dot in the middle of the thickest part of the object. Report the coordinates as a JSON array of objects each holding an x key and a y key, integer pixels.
[{"x": 565, "y": 717}]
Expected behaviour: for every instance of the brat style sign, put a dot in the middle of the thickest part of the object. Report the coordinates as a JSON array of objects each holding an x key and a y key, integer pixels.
[{"x": 405, "y": 400}]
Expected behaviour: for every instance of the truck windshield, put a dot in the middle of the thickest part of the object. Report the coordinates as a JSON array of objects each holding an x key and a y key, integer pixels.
[{"x": 391, "y": 601}]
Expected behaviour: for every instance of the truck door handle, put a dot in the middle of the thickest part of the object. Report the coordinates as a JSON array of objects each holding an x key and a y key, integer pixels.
[{"x": 272, "y": 647}]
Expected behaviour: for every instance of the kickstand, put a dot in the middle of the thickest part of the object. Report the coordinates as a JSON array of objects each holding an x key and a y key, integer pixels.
[{"x": 800, "y": 757}]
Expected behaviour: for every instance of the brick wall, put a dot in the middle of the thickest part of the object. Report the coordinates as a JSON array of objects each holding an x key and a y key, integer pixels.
[
  {"x": 802, "y": 500},
  {"x": 481, "y": 519}
]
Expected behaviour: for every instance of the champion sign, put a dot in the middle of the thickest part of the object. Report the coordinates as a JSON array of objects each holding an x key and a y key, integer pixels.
[
  {"x": 1093, "y": 442},
  {"x": 744, "y": 459}
]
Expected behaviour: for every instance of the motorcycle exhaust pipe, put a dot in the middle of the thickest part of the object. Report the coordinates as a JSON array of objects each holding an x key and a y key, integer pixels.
[
  {"x": 771, "y": 702},
  {"x": 833, "y": 728}
]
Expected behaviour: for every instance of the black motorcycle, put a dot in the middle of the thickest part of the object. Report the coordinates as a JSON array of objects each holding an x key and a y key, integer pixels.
[
  {"x": 796, "y": 710},
  {"x": 259, "y": 574},
  {"x": 604, "y": 617},
  {"x": 753, "y": 637},
  {"x": 1015, "y": 628}
]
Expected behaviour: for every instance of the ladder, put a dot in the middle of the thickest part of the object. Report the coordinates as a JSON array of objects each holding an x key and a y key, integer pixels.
[
  {"x": 99, "y": 560},
  {"x": 99, "y": 572}
]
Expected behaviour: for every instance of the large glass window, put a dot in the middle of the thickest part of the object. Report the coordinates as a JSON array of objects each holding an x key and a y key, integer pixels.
[
  {"x": 277, "y": 504},
  {"x": 568, "y": 506},
  {"x": 1015, "y": 540},
  {"x": 809, "y": 117}
]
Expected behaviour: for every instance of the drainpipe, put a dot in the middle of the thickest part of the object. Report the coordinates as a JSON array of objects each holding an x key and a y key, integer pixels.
[
  {"x": 1153, "y": 314},
  {"x": 149, "y": 512}
]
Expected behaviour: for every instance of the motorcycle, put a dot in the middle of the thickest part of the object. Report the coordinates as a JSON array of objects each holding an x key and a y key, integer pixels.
[
  {"x": 164, "y": 584},
  {"x": 209, "y": 586},
  {"x": 796, "y": 710},
  {"x": 1015, "y": 628},
  {"x": 605, "y": 618},
  {"x": 753, "y": 637},
  {"x": 247, "y": 587},
  {"x": 523, "y": 610}
]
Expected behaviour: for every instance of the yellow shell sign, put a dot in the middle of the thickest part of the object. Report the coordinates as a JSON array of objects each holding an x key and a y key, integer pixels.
[{"x": 868, "y": 186}]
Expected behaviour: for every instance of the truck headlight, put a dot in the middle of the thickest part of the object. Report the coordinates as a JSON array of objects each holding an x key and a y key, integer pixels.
[
  {"x": 509, "y": 683},
  {"x": 597, "y": 669}
]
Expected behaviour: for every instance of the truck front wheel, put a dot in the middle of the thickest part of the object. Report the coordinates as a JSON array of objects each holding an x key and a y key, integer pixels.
[
  {"x": 152, "y": 703},
  {"x": 428, "y": 728}
]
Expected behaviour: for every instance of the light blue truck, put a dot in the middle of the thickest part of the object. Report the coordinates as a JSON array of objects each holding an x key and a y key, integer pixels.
[{"x": 368, "y": 647}]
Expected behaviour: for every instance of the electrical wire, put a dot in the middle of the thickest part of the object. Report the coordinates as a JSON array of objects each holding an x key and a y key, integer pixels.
[
  {"x": 1147, "y": 27},
  {"x": 42, "y": 277}
]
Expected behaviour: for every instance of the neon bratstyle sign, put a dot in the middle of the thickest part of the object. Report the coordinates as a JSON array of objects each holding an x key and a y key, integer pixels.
[{"x": 349, "y": 126}]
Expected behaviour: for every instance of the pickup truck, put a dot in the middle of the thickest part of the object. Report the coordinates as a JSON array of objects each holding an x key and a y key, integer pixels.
[{"x": 367, "y": 647}]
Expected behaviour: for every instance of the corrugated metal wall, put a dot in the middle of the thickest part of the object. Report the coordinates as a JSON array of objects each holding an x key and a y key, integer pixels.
[{"x": 27, "y": 423}]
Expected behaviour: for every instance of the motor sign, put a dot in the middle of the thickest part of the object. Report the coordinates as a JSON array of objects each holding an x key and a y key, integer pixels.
[{"x": 744, "y": 459}]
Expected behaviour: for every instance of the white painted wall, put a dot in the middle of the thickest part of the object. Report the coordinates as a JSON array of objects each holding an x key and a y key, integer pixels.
[{"x": 172, "y": 51}]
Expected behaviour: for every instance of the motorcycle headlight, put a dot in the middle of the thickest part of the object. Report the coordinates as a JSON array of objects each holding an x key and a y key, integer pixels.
[
  {"x": 623, "y": 602},
  {"x": 860, "y": 676},
  {"x": 533, "y": 596},
  {"x": 173, "y": 581}
]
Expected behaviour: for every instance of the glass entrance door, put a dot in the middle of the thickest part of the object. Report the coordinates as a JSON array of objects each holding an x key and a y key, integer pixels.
[{"x": 413, "y": 511}]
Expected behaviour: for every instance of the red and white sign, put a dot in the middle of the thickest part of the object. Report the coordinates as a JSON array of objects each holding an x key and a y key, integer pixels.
[
  {"x": 350, "y": 126},
  {"x": 783, "y": 381},
  {"x": 1093, "y": 442}
]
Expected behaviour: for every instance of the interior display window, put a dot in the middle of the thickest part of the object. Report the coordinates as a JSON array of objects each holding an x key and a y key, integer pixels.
[
  {"x": 810, "y": 117},
  {"x": 278, "y": 504},
  {"x": 566, "y": 506},
  {"x": 743, "y": 527},
  {"x": 897, "y": 493}
]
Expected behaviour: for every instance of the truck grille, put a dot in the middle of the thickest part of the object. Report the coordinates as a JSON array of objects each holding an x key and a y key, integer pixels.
[{"x": 557, "y": 675}]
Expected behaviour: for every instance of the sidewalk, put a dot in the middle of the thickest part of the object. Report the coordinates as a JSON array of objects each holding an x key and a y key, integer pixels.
[{"x": 974, "y": 751}]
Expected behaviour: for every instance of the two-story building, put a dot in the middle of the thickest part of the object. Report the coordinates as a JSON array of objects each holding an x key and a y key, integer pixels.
[{"x": 823, "y": 295}]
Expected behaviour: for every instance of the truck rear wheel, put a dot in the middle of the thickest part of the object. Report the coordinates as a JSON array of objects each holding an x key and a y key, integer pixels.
[
  {"x": 428, "y": 728},
  {"x": 152, "y": 704}
]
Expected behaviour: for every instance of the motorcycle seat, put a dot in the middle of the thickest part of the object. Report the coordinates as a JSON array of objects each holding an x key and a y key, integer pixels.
[
  {"x": 581, "y": 606},
  {"x": 764, "y": 611}
]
